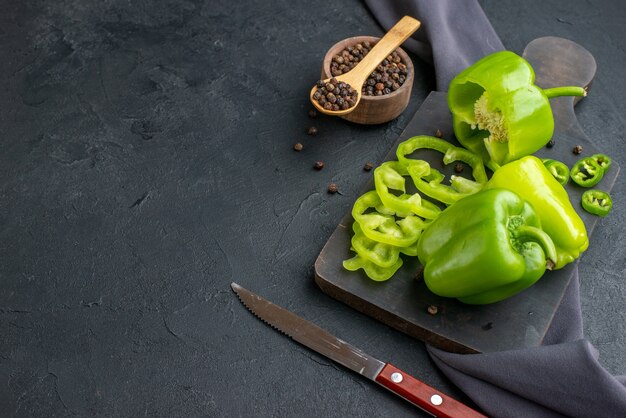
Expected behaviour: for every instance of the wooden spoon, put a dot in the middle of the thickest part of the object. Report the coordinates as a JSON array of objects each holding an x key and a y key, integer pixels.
[{"x": 357, "y": 76}]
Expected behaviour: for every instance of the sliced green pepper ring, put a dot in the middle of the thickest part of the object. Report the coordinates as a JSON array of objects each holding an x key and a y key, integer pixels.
[
  {"x": 597, "y": 202},
  {"x": 558, "y": 170},
  {"x": 385, "y": 228},
  {"x": 587, "y": 172},
  {"x": 390, "y": 175},
  {"x": 603, "y": 161},
  {"x": 374, "y": 272}
]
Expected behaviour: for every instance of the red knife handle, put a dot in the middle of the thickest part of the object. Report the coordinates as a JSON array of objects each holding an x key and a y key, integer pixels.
[{"x": 422, "y": 395}]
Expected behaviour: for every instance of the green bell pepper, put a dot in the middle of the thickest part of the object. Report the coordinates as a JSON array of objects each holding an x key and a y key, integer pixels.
[
  {"x": 532, "y": 181},
  {"x": 497, "y": 110},
  {"x": 485, "y": 248}
]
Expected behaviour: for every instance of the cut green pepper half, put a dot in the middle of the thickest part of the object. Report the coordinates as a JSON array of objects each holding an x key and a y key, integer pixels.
[
  {"x": 587, "y": 172},
  {"x": 559, "y": 170},
  {"x": 499, "y": 112},
  {"x": 597, "y": 202}
]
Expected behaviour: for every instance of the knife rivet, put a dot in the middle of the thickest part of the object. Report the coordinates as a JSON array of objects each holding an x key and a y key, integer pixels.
[
  {"x": 396, "y": 377},
  {"x": 436, "y": 400}
]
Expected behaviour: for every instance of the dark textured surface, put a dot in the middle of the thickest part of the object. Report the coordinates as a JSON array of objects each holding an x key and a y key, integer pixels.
[{"x": 147, "y": 162}]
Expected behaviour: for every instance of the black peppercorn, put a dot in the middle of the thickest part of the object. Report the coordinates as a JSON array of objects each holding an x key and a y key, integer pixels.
[
  {"x": 327, "y": 96},
  {"x": 318, "y": 165},
  {"x": 312, "y": 112},
  {"x": 298, "y": 146},
  {"x": 458, "y": 168},
  {"x": 432, "y": 310},
  {"x": 439, "y": 134},
  {"x": 387, "y": 72},
  {"x": 550, "y": 144},
  {"x": 577, "y": 149},
  {"x": 312, "y": 130},
  {"x": 332, "y": 188},
  {"x": 368, "y": 166}
]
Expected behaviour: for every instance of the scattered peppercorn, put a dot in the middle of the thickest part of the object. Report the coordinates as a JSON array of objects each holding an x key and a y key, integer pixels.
[
  {"x": 550, "y": 144},
  {"x": 312, "y": 130},
  {"x": 368, "y": 166},
  {"x": 432, "y": 310},
  {"x": 298, "y": 146},
  {"x": 388, "y": 76},
  {"x": 318, "y": 165},
  {"x": 312, "y": 113},
  {"x": 488, "y": 326},
  {"x": 332, "y": 188},
  {"x": 577, "y": 149},
  {"x": 439, "y": 134},
  {"x": 335, "y": 95},
  {"x": 458, "y": 168}
]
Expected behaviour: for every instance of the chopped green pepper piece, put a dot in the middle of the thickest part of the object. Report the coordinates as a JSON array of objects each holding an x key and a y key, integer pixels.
[
  {"x": 428, "y": 180},
  {"x": 587, "y": 172},
  {"x": 597, "y": 202},
  {"x": 497, "y": 110},
  {"x": 603, "y": 161},
  {"x": 559, "y": 170},
  {"x": 385, "y": 228},
  {"x": 389, "y": 175},
  {"x": 373, "y": 271},
  {"x": 383, "y": 255}
]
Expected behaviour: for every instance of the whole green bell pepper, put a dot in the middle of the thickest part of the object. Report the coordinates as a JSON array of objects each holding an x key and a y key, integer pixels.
[
  {"x": 497, "y": 110},
  {"x": 485, "y": 248},
  {"x": 532, "y": 181}
]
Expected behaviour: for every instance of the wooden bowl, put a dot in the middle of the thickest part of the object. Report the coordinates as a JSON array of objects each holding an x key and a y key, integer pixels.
[{"x": 373, "y": 110}]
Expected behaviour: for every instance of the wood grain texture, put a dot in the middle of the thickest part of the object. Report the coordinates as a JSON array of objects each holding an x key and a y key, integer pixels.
[{"x": 402, "y": 302}]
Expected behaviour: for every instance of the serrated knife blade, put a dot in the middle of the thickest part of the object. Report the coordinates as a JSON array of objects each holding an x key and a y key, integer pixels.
[{"x": 323, "y": 342}]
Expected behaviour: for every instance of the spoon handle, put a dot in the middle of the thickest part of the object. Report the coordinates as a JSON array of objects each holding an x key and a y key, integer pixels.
[{"x": 385, "y": 46}]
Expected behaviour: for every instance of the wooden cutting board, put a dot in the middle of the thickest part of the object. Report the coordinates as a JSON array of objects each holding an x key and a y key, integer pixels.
[{"x": 402, "y": 301}]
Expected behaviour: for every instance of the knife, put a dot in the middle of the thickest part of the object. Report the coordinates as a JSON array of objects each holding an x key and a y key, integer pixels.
[{"x": 386, "y": 375}]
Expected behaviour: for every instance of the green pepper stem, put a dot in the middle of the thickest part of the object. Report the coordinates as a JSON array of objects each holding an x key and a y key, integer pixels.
[
  {"x": 534, "y": 234},
  {"x": 565, "y": 91}
]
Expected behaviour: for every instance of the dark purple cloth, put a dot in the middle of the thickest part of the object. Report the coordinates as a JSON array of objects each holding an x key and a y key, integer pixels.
[
  {"x": 563, "y": 376},
  {"x": 454, "y": 33}
]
